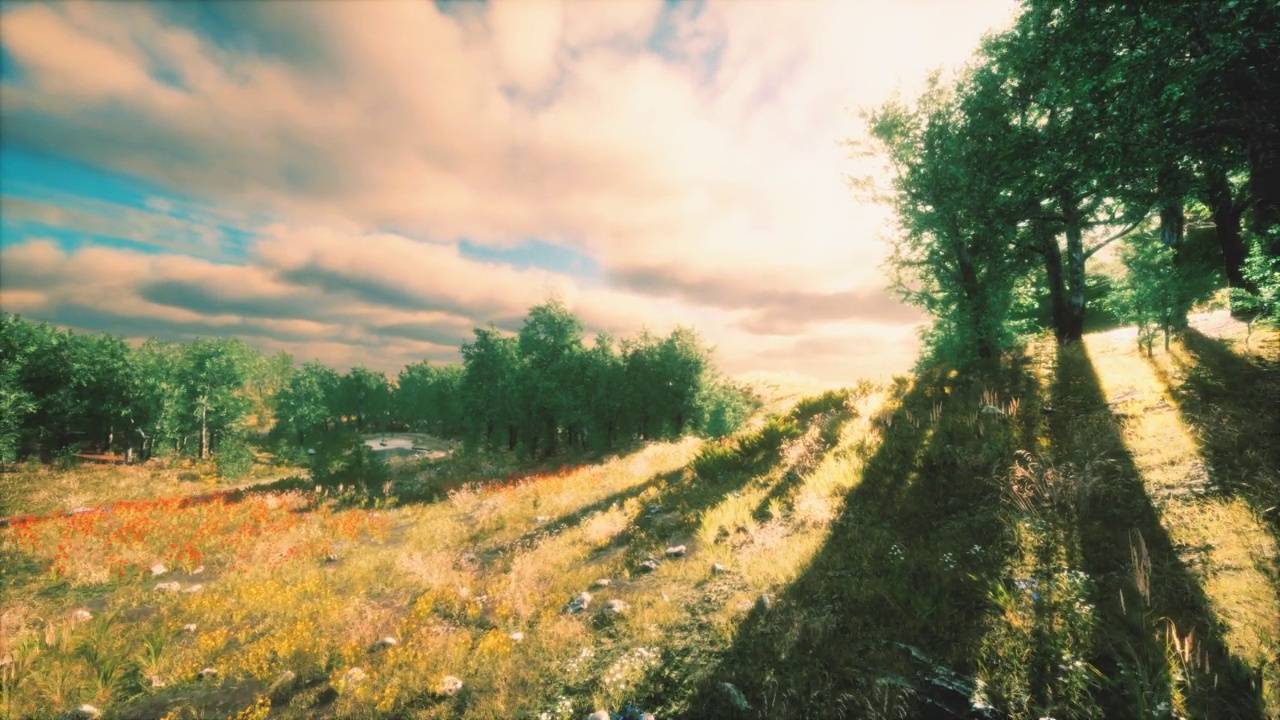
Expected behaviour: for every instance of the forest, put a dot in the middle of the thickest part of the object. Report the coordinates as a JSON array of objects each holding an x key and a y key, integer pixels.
[
  {"x": 1143, "y": 130},
  {"x": 541, "y": 390}
]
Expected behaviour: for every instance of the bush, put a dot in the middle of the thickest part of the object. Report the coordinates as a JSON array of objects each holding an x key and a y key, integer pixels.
[
  {"x": 234, "y": 459},
  {"x": 725, "y": 408}
]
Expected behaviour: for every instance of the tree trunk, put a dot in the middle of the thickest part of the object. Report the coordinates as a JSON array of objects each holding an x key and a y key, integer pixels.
[
  {"x": 1263, "y": 150},
  {"x": 1226, "y": 222},
  {"x": 1053, "y": 272},
  {"x": 511, "y": 437},
  {"x": 204, "y": 432},
  {"x": 1073, "y": 326}
]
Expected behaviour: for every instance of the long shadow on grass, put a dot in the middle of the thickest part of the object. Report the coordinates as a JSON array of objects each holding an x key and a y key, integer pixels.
[
  {"x": 886, "y": 619},
  {"x": 1232, "y": 403},
  {"x": 569, "y": 520},
  {"x": 1131, "y": 642}
]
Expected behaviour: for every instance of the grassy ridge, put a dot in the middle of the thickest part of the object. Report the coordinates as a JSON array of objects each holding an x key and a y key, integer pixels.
[{"x": 1084, "y": 533}]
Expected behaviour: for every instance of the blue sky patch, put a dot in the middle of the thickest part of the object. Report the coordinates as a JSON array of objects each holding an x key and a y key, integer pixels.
[{"x": 535, "y": 253}]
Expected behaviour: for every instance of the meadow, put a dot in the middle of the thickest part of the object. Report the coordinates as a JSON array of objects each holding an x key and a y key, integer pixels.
[{"x": 1078, "y": 533}]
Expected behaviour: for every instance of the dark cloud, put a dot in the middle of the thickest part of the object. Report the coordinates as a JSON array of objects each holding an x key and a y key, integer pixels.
[
  {"x": 776, "y": 312},
  {"x": 201, "y": 299},
  {"x": 447, "y": 335},
  {"x": 381, "y": 293}
]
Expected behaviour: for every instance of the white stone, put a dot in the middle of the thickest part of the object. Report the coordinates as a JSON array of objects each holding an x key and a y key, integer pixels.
[
  {"x": 194, "y": 588},
  {"x": 86, "y": 712},
  {"x": 168, "y": 587},
  {"x": 648, "y": 565},
  {"x": 208, "y": 673},
  {"x": 676, "y": 551},
  {"x": 386, "y": 642},
  {"x": 601, "y": 583},
  {"x": 599, "y": 715},
  {"x": 189, "y": 627},
  {"x": 450, "y": 685},
  {"x": 579, "y": 603},
  {"x": 717, "y": 568},
  {"x": 615, "y": 607},
  {"x": 158, "y": 569},
  {"x": 81, "y": 615},
  {"x": 517, "y": 636},
  {"x": 198, "y": 570}
]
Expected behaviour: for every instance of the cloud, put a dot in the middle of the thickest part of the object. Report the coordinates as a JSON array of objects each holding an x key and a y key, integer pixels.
[{"x": 689, "y": 151}]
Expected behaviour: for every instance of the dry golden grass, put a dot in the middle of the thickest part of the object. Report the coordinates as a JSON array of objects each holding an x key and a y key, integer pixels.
[{"x": 475, "y": 586}]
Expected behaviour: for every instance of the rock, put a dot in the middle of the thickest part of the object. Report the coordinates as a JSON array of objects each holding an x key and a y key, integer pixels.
[
  {"x": 81, "y": 616},
  {"x": 614, "y": 607},
  {"x": 717, "y": 569},
  {"x": 384, "y": 643},
  {"x": 646, "y": 716},
  {"x": 189, "y": 627},
  {"x": 676, "y": 551},
  {"x": 579, "y": 603},
  {"x": 517, "y": 636},
  {"x": 733, "y": 696},
  {"x": 207, "y": 674},
  {"x": 331, "y": 558},
  {"x": 764, "y": 603},
  {"x": 194, "y": 588},
  {"x": 198, "y": 570},
  {"x": 648, "y": 565},
  {"x": 541, "y": 519},
  {"x": 601, "y": 583},
  {"x": 156, "y": 682},
  {"x": 169, "y": 587},
  {"x": 353, "y": 676},
  {"x": 158, "y": 569},
  {"x": 84, "y": 712},
  {"x": 599, "y": 715},
  {"x": 450, "y": 685},
  {"x": 282, "y": 683}
]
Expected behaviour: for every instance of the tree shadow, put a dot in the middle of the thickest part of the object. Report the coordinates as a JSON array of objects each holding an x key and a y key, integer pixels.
[
  {"x": 1131, "y": 648},
  {"x": 1232, "y": 404},
  {"x": 570, "y": 520},
  {"x": 886, "y": 619}
]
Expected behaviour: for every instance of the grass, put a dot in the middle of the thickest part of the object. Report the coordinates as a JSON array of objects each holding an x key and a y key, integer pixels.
[{"x": 1083, "y": 533}]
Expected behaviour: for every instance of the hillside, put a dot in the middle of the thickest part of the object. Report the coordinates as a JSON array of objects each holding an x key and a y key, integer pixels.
[{"x": 1087, "y": 532}]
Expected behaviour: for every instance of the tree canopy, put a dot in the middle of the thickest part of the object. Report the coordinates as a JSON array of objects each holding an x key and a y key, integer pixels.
[{"x": 1085, "y": 124}]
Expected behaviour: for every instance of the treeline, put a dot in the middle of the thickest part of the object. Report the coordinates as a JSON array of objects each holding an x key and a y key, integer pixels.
[
  {"x": 1087, "y": 124},
  {"x": 541, "y": 390}
]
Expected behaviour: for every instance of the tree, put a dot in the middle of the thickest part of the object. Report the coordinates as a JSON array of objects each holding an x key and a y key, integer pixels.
[
  {"x": 212, "y": 378},
  {"x": 492, "y": 372},
  {"x": 307, "y": 405},
  {"x": 364, "y": 399},
  {"x": 549, "y": 342}
]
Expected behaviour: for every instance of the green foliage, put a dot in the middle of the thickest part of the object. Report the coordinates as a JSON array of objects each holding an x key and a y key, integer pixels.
[
  {"x": 542, "y": 390},
  {"x": 1263, "y": 271},
  {"x": 1158, "y": 289},
  {"x": 234, "y": 458},
  {"x": 724, "y": 408},
  {"x": 1056, "y": 141}
]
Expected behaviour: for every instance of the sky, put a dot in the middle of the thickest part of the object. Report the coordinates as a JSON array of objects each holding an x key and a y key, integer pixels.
[{"x": 367, "y": 181}]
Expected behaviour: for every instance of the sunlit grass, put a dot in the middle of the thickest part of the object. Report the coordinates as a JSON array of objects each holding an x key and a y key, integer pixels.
[{"x": 1220, "y": 537}]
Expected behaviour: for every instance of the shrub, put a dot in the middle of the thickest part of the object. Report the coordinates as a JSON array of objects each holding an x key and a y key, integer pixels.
[{"x": 234, "y": 458}]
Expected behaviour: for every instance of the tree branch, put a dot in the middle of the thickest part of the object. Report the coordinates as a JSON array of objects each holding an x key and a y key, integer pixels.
[{"x": 1090, "y": 253}]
